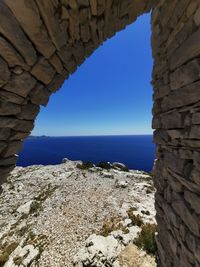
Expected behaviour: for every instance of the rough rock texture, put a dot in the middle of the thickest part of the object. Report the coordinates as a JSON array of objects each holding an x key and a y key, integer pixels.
[
  {"x": 42, "y": 42},
  {"x": 50, "y": 211},
  {"x": 176, "y": 75}
]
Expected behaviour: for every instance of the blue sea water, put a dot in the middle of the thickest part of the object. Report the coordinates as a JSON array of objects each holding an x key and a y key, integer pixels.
[{"x": 136, "y": 151}]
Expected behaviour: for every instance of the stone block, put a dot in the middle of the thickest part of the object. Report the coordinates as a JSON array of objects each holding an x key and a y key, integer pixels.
[
  {"x": 40, "y": 95},
  {"x": 18, "y": 135},
  {"x": 188, "y": 50},
  {"x": 56, "y": 83},
  {"x": 4, "y": 72},
  {"x": 188, "y": 217},
  {"x": 43, "y": 71},
  {"x": 193, "y": 200},
  {"x": 28, "y": 112},
  {"x": 196, "y": 118},
  {"x": 197, "y": 17},
  {"x": 185, "y": 96},
  {"x": 4, "y": 134},
  {"x": 20, "y": 84},
  {"x": 185, "y": 75},
  {"x": 8, "y": 161},
  {"x": 32, "y": 24},
  {"x": 7, "y": 108},
  {"x": 48, "y": 9},
  {"x": 10, "y": 55},
  {"x": 195, "y": 176},
  {"x": 172, "y": 120},
  {"x": 12, "y": 148},
  {"x": 11, "y": 97},
  {"x": 83, "y": 3},
  {"x": 93, "y": 5},
  {"x": 5, "y": 170},
  {"x": 195, "y": 132},
  {"x": 23, "y": 125},
  {"x": 10, "y": 28},
  {"x": 3, "y": 145},
  {"x": 85, "y": 32},
  {"x": 56, "y": 63},
  {"x": 7, "y": 122}
]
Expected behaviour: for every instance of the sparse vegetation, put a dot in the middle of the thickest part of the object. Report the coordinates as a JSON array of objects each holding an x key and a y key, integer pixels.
[
  {"x": 36, "y": 207},
  {"x": 21, "y": 232},
  {"x": 104, "y": 165},
  {"x": 125, "y": 169},
  {"x": 146, "y": 212},
  {"x": 151, "y": 173},
  {"x": 18, "y": 260},
  {"x": 47, "y": 192},
  {"x": 150, "y": 189},
  {"x": 131, "y": 256},
  {"x": 85, "y": 165},
  {"x": 146, "y": 239},
  {"x": 136, "y": 219},
  {"x": 5, "y": 252},
  {"x": 112, "y": 224}
]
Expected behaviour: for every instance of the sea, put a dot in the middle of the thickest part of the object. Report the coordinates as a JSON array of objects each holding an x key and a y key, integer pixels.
[{"x": 136, "y": 151}]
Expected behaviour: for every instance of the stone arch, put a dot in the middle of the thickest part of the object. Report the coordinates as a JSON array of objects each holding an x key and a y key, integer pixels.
[{"x": 42, "y": 42}]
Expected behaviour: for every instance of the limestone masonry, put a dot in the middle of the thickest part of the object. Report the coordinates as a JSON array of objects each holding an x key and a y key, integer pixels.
[{"x": 42, "y": 42}]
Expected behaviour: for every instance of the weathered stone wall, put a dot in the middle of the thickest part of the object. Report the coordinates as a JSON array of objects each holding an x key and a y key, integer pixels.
[
  {"x": 176, "y": 81},
  {"x": 42, "y": 42}
]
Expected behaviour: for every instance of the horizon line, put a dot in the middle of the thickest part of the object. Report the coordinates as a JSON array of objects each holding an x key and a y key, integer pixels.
[{"x": 98, "y": 135}]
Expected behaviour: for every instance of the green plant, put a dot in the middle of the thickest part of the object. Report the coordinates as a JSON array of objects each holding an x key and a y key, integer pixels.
[
  {"x": 35, "y": 207},
  {"x": 146, "y": 239},
  {"x": 85, "y": 165},
  {"x": 125, "y": 169},
  {"x": 104, "y": 165}
]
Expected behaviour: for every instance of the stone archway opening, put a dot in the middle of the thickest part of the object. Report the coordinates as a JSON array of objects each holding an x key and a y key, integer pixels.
[
  {"x": 42, "y": 47},
  {"x": 101, "y": 99}
]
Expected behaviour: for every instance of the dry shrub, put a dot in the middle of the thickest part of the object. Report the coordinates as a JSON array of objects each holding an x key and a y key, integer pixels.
[
  {"x": 131, "y": 256},
  {"x": 136, "y": 219},
  {"x": 112, "y": 224},
  {"x": 5, "y": 252}
]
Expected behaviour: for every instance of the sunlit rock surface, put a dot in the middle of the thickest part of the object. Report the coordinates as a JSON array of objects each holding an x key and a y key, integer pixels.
[{"x": 47, "y": 213}]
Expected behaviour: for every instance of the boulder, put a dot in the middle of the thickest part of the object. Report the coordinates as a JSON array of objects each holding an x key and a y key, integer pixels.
[
  {"x": 25, "y": 208},
  {"x": 119, "y": 165},
  {"x": 99, "y": 251}
]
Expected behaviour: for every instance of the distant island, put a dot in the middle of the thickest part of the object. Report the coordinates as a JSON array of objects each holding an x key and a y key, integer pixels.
[{"x": 38, "y": 136}]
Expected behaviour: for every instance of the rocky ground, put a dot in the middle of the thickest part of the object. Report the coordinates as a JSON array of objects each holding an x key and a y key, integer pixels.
[{"x": 64, "y": 215}]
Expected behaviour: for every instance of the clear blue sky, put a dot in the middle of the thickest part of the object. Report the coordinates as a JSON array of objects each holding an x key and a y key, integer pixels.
[{"x": 109, "y": 94}]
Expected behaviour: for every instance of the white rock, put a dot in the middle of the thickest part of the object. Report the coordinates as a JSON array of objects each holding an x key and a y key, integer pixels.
[
  {"x": 27, "y": 254},
  {"x": 65, "y": 160},
  {"x": 107, "y": 175},
  {"x": 121, "y": 184},
  {"x": 119, "y": 165},
  {"x": 99, "y": 251},
  {"x": 25, "y": 208},
  {"x": 127, "y": 222},
  {"x": 133, "y": 233}
]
